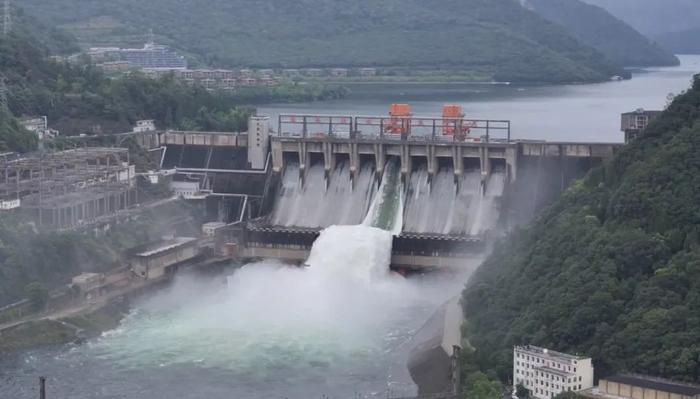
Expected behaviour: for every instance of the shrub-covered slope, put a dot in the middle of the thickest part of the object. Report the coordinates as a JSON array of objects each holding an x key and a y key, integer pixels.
[{"x": 612, "y": 269}]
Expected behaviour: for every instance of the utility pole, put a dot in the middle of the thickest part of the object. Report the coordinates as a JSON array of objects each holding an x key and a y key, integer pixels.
[
  {"x": 7, "y": 18},
  {"x": 42, "y": 387},
  {"x": 3, "y": 94},
  {"x": 150, "y": 38}
]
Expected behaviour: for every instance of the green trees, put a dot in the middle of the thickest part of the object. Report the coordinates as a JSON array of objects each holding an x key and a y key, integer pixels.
[
  {"x": 479, "y": 386},
  {"x": 14, "y": 137},
  {"x": 79, "y": 98},
  {"x": 37, "y": 294},
  {"x": 521, "y": 392},
  {"x": 611, "y": 270},
  {"x": 51, "y": 259}
]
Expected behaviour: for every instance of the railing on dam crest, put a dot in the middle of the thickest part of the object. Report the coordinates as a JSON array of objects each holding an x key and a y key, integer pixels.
[{"x": 425, "y": 129}]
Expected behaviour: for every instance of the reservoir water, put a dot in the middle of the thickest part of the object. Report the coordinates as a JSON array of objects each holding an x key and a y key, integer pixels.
[
  {"x": 589, "y": 113},
  {"x": 340, "y": 328}
]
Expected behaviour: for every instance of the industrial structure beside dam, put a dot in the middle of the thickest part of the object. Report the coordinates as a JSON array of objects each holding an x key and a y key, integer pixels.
[{"x": 458, "y": 182}]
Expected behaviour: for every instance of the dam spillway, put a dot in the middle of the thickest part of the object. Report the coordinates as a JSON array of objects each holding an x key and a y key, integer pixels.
[
  {"x": 437, "y": 206},
  {"x": 455, "y": 192},
  {"x": 321, "y": 201}
]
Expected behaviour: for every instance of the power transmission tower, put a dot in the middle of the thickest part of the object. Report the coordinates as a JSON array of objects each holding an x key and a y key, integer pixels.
[{"x": 7, "y": 18}]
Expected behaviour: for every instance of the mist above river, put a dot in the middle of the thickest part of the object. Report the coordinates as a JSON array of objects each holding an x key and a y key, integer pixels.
[{"x": 341, "y": 326}]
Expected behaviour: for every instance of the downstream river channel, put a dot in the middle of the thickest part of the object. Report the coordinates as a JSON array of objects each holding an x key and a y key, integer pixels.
[{"x": 339, "y": 329}]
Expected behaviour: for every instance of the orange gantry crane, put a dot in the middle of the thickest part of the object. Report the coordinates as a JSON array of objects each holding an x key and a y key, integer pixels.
[
  {"x": 399, "y": 119},
  {"x": 453, "y": 123}
]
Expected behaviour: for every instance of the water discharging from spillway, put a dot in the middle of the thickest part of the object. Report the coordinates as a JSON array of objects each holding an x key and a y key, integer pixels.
[
  {"x": 322, "y": 202},
  {"x": 438, "y": 206},
  {"x": 441, "y": 206},
  {"x": 340, "y": 326}
]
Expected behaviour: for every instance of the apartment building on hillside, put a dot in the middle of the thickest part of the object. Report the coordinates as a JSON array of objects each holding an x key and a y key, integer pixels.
[{"x": 546, "y": 373}]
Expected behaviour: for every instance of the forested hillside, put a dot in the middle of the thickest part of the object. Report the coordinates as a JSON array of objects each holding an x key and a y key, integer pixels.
[
  {"x": 596, "y": 27},
  {"x": 495, "y": 38},
  {"x": 79, "y": 98},
  {"x": 611, "y": 270}
]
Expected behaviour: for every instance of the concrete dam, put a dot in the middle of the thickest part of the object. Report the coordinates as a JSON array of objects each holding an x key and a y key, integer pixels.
[{"x": 458, "y": 182}]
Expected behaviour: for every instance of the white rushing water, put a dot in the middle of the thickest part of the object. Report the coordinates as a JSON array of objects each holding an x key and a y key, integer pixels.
[
  {"x": 486, "y": 209},
  {"x": 386, "y": 210},
  {"x": 284, "y": 327},
  {"x": 443, "y": 207},
  {"x": 280, "y": 328},
  {"x": 322, "y": 202},
  {"x": 439, "y": 206}
]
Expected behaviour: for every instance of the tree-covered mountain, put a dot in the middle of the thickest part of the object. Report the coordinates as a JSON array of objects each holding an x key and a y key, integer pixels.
[
  {"x": 611, "y": 270},
  {"x": 495, "y": 38},
  {"x": 596, "y": 27}
]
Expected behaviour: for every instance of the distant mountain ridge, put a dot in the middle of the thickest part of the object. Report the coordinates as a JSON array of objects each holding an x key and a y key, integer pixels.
[
  {"x": 654, "y": 17},
  {"x": 596, "y": 27},
  {"x": 495, "y": 39},
  {"x": 674, "y": 24}
]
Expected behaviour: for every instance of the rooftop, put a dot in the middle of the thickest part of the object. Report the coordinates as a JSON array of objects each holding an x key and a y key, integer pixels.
[
  {"x": 642, "y": 111},
  {"x": 658, "y": 384},
  {"x": 549, "y": 353},
  {"x": 164, "y": 246}
]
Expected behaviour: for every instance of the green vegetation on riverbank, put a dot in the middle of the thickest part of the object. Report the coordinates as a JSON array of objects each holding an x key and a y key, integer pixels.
[
  {"x": 612, "y": 269},
  {"x": 53, "y": 258},
  {"x": 47, "y": 332},
  {"x": 501, "y": 38}
]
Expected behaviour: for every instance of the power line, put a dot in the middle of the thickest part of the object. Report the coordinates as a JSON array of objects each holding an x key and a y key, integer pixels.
[{"x": 7, "y": 18}]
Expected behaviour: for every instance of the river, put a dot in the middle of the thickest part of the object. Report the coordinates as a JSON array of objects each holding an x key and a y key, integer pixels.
[
  {"x": 343, "y": 327},
  {"x": 587, "y": 113}
]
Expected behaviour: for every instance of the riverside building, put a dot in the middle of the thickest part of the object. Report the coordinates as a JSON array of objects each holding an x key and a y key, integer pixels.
[{"x": 546, "y": 373}]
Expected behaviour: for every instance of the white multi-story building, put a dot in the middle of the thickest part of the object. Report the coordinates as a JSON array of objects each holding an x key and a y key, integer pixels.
[{"x": 546, "y": 373}]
